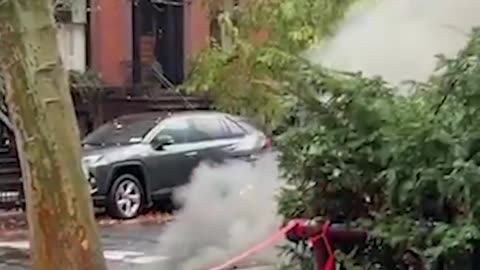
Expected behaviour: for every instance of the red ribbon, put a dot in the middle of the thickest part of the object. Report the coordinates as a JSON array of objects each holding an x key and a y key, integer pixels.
[
  {"x": 274, "y": 238},
  {"x": 299, "y": 225},
  {"x": 324, "y": 236}
]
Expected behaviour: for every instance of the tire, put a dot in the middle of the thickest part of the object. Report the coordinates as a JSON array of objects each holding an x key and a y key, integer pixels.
[{"x": 126, "y": 197}]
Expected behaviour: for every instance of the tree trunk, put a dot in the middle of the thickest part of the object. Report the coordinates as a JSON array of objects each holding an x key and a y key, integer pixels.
[{"x": 63, "y": 232}]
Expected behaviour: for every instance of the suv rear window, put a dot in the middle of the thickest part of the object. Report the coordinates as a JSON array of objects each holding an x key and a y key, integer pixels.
[
  {"x": 214, "y": 128},
  {"x": 247, "y": 124},
  {"x": 206, "y": 128},
  {"x": 234, "y": 129}
]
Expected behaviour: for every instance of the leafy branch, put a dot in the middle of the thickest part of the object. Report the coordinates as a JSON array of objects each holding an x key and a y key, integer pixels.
[
  {"x": 235, "y": 77},
  {"x": 370, "y": 157}
]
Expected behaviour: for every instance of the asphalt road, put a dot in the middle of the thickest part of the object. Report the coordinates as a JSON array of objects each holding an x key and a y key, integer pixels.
[
  {"x": 125, "y": 247},
  {"x": 129, "y": 246}
]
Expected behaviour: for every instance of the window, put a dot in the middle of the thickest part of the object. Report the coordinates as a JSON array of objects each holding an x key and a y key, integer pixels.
[
  {"x": 121, "y": 131},
  {"x": 177, "y": 129},
  {"x": 246, "y": 124},
  {"x": 233, "y": 128},
  {"x": 207, "y": 128}
]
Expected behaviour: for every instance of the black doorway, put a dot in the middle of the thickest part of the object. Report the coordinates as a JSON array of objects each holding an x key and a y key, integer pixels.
[{"x": 169, "y": 47}]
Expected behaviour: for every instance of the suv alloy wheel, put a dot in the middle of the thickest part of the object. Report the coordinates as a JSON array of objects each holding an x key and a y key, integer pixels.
[{"x": 126, "y": 197}]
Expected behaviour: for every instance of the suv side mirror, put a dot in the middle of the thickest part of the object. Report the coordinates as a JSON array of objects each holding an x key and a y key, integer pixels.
[{"x": 162, "y": 140}]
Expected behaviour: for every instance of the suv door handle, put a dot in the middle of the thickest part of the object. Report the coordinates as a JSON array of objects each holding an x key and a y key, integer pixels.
[{"x": 191, "y": 154}]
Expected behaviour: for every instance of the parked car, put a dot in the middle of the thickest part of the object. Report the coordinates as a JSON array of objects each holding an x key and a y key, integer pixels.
[{"x": 136, "y": 159}]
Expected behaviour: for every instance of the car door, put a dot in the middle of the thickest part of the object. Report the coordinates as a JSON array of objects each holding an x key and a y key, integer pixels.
[{"x": 171, "y": 165}]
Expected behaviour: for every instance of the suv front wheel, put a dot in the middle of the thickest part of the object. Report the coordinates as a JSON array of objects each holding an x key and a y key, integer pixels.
[{"x": 126, "y": 197}]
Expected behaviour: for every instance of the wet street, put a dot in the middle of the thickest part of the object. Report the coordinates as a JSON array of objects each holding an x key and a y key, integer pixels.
[
  {"x": 128, "y": 246},
  {"x": 125, "y": 247}
]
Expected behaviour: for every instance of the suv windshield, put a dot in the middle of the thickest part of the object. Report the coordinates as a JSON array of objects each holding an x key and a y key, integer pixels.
[{"x": 121, "y": 131}]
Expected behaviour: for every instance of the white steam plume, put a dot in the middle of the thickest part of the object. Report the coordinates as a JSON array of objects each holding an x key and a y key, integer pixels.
[
  {"x": 398, "y": 39},
  {"x": 227, "y": 209}
]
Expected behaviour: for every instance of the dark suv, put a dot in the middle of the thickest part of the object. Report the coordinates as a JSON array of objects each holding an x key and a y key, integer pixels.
[{"x": 136, "y": 159}]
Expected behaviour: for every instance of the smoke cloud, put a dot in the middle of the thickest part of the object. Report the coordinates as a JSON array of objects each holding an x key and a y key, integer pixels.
[
  {"x": 227, "y": 209},
  {"x": 398, "y": 39}
]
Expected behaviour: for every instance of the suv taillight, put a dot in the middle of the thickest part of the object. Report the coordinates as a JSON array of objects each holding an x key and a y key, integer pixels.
[{"x": 268, "y": 143}]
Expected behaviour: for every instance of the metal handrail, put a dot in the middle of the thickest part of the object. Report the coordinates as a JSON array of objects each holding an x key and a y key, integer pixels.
[{"x": 158, "y": 74}]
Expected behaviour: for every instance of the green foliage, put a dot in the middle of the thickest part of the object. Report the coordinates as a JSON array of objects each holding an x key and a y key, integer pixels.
[
  {"x": 87, "y": 85},
  {"x": 89, "y": 88},
  {"x": 238, "y": 78},
  {"x": 405, "y": 167},
  {"x": 238, "y": 81},
  {"x": 295, "y": 24}
]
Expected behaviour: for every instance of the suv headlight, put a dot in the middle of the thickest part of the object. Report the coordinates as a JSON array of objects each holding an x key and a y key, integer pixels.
[
  {"x": 93, "y": 184},
  {"x": 88, "y": 162}
]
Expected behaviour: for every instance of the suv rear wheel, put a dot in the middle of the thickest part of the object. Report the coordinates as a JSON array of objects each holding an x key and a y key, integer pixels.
[{"x": 126, "y": 197}]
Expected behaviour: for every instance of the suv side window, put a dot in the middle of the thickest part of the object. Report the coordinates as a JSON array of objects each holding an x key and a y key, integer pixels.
[
  {"x": 204, "y": 128},
  {"x": 233, "y": 128},
  {"x": 178, "y": 129}
]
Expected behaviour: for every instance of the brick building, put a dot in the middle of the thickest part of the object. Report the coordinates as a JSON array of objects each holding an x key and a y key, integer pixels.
[
  {"x": 128, "y": 37},
  {"x": 124, "y": 41}
]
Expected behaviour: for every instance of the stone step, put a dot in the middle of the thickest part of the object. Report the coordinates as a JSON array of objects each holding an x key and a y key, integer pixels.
[
  {"x": 8, "y": 160},
  {"x": 9, "y": 170}
]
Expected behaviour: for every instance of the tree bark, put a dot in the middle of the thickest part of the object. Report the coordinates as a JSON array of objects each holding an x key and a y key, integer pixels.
[{"x": 63, "y": 231}]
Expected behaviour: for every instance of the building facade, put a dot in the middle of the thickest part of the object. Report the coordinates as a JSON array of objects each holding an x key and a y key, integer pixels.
[
  {"x": 130, "y": 38},
  {"x": 72, "y": 36}
]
